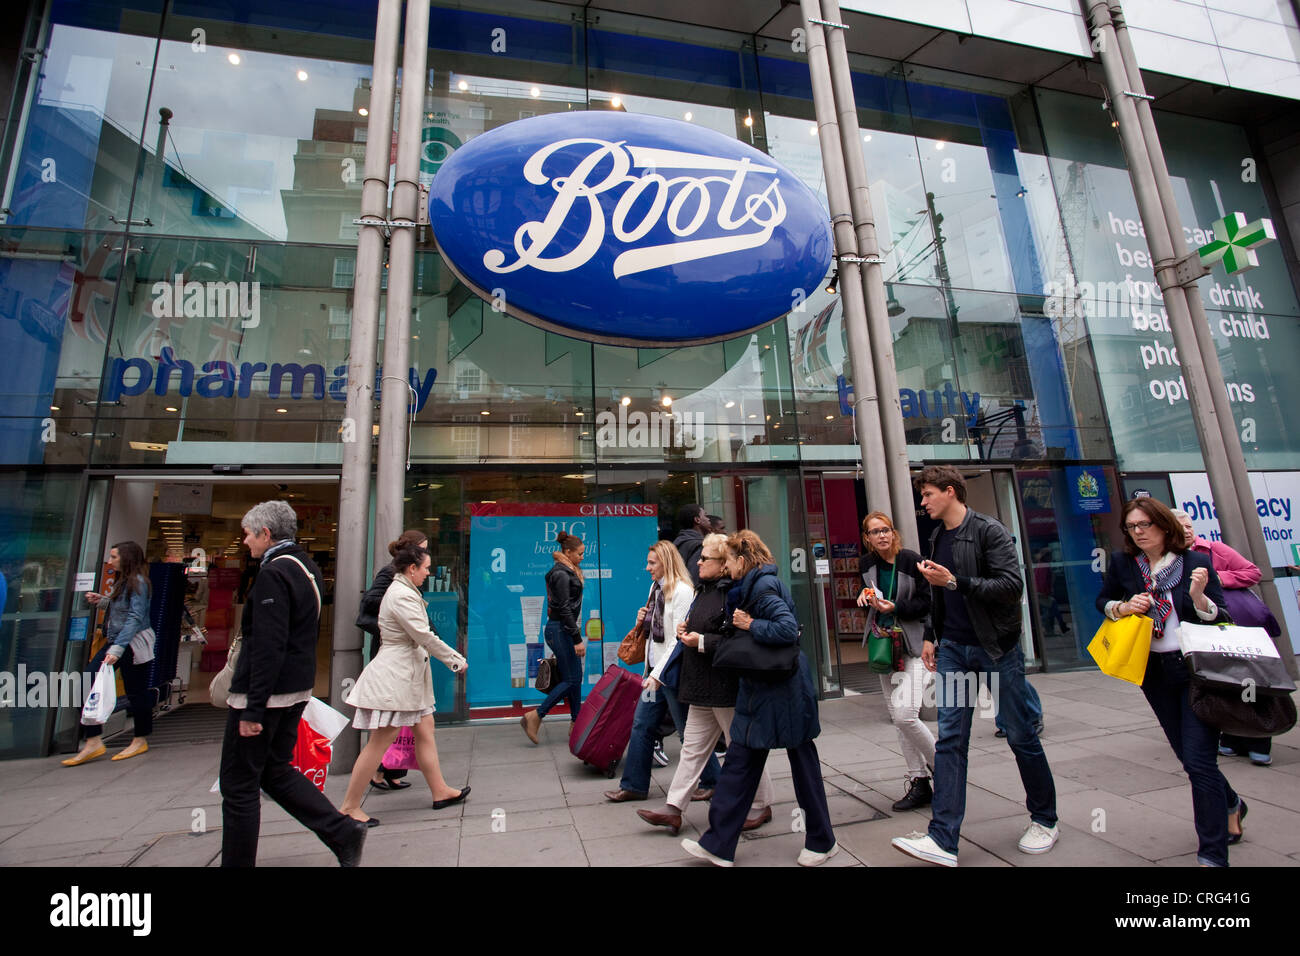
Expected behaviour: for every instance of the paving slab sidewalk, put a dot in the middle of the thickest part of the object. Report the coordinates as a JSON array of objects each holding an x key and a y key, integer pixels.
[{"x": 1122, "y": 797}]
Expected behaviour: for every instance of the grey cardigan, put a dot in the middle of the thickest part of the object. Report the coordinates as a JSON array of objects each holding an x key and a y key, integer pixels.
[{"x": 911, "y": 600}]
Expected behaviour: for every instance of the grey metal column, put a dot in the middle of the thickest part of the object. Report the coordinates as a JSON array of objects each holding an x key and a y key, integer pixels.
[
  {"x": 358, "y": 415},
  {"x": 879, "y": 335},
  {"x": 866, "y": 401},
  {"x": 395, "y": 399},
  {"x": 1253, "y": 543},
  {"x": 1209, "y": 428}
]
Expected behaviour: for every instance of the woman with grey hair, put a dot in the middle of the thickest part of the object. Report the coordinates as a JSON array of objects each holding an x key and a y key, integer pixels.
[{"x": 272, "y": 683}]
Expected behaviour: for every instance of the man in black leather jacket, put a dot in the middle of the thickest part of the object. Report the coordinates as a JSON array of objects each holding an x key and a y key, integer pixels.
[{"x": 975, "y": 578}]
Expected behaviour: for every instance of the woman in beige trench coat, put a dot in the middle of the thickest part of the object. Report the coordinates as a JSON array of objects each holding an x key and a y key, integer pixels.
[{"x": 396, "y": 688}]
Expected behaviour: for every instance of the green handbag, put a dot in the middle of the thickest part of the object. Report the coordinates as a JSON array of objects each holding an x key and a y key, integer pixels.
[
  {"x": 880, "y": 653},
  {"x": 880, "y": 643}
]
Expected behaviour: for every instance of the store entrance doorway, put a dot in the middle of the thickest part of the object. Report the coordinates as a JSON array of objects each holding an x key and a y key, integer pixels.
[
  {"x": 199, "y": 570},
  {"x": 837, "y": 505}
]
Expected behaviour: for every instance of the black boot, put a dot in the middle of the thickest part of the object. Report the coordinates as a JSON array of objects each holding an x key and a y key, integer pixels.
[{"x": 919, "y": 794}]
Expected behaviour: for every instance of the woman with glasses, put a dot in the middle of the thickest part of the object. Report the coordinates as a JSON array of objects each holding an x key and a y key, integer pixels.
[
  {"x": 1155, "y": 574},
  {"x": 773, "y": 711},
  {"x": 899, "y": 598},
  {"x": 710, "y": 693}
]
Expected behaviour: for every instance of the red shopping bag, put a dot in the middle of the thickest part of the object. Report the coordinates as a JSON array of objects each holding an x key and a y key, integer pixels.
[
  {"x": 311, "y": 755},
  {"x": 317, "y": 728},
  {"x": 401, "y": 755}
]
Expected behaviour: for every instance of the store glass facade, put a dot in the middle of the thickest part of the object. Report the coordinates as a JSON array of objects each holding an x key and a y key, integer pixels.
[{"x": 178, "y": 260}]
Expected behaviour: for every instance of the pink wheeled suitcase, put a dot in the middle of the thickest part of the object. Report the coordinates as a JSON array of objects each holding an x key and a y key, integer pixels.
[{"x": 604, "y": 724}]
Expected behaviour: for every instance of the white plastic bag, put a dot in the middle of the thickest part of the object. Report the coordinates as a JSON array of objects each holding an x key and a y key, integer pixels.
[{"x": 103, "y": 697}]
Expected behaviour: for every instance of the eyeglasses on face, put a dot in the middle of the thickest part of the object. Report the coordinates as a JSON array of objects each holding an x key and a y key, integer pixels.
[
  {"x": 1138, "y": 526},
  {"x": 881, "y": 531},
  {"x": 712, "y": 557}
]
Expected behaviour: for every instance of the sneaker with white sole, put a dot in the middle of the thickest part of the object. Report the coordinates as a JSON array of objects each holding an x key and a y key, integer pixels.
[
  {"x": 1038, "y": 838},
  {"x": 922, "y": 846},
  {"x": 695, "y": 850},
  {"x": 809, "y": 857},
  {"x": 658, "y": 755}
]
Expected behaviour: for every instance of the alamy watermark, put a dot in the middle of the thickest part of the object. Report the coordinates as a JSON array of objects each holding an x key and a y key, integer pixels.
[
  {"x": 210, "y": 300},
  {"x": 653, "y": 430},
  {"x": 24, "y": 689},
  {"x": 975, "y": 689}
]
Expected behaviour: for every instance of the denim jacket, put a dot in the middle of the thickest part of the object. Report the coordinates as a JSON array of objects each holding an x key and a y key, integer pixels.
[{"x": 137, "y": 617}]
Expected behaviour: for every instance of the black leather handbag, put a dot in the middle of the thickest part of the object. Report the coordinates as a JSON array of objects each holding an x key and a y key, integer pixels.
[
  {"x": 766, "y": 662},
  {"x": 1224, "y": 709}
]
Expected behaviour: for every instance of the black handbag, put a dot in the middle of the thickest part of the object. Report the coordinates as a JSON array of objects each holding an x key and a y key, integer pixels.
[
  {"x": 1224, "y": 709},
  {"x": 548, "y": 674},
  {"x": 757, "y": 661}
]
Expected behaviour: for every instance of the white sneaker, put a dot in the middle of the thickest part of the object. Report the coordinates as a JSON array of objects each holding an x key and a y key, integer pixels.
[
  {"x": 922, "y": 846},
  {"x": 809, "y": 857},
  {"x": 694, "y": 849},
  {"x": 1038, "y": 838}
]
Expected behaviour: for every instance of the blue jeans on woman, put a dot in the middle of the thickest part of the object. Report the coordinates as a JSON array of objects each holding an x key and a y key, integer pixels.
[
  {"x": 959, "y": 666},
  {"x": 1196, "y": 744},
  {"x": 570, "y": 683},
  {"x": 640, "y": 749}
]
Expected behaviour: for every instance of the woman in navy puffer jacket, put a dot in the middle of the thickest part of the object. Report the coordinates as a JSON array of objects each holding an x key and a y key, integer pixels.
[{"x": 769, "y": 714}]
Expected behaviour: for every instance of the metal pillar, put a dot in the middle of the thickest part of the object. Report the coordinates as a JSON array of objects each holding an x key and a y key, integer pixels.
[
  {"x": 1253, "y": 543},
  {"x": 879, "y": 334},
  {"x": 866, "y": 400},
  {"x": 395, "y": 400},
  {"x": 355, "y": 432}
]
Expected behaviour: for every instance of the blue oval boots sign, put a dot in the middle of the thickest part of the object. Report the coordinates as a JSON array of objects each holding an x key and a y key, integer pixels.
[{"x": 629, "y": 230}]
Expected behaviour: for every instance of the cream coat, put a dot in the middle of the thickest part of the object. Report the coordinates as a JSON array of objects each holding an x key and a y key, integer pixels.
[{"x": 398, "y": 677}]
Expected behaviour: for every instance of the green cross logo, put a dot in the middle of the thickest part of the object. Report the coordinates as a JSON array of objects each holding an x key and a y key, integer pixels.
[{"x": 1235, "y": 241}]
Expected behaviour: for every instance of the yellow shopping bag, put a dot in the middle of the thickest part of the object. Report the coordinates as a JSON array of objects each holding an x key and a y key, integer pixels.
[{"x": 1121, "y": 647}]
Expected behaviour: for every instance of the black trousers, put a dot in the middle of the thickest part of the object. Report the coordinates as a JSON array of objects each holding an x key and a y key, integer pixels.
[
  {"x": 738, "y": 785},
  {"x": 264, "y": 762}
]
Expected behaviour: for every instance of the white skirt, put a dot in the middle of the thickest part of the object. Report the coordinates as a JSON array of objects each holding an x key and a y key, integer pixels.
[{"x": 367, "y": 719}]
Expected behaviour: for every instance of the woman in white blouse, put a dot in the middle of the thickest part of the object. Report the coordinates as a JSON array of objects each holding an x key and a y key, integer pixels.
[
  {"x": 1155, "y": 574},
  {"x": 396, "y": 688},
  {"x": 672, "y": 593}
]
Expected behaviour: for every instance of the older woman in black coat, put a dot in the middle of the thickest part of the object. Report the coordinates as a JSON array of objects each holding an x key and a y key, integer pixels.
[
  {"x": 769, "y": 714},
  {"x": 710, "y": 693},
  {"x": 1155, "y": 574}
]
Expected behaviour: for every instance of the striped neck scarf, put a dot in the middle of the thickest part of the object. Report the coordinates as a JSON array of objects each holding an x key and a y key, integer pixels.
[{"x": 1166, "y": 580}]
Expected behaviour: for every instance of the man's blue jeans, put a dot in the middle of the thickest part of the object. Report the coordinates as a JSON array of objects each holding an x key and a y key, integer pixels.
[
  {"x": 959, "y": 668},
  {"x": 1035, "y": 708},
  {"x": 640, "y": 749}
]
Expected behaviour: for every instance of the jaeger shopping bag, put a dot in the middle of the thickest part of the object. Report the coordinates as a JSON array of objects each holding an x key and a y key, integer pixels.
[
  {"x": 1231, "y": 656},
  {"x": 1121, "y": 647}
]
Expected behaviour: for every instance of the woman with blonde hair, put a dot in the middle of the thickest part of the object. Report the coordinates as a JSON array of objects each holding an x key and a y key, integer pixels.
[
  {"x": 671, "y": 594},
  {"x": 772, "y": 710},
  {"x": 899, "y": 598}
]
